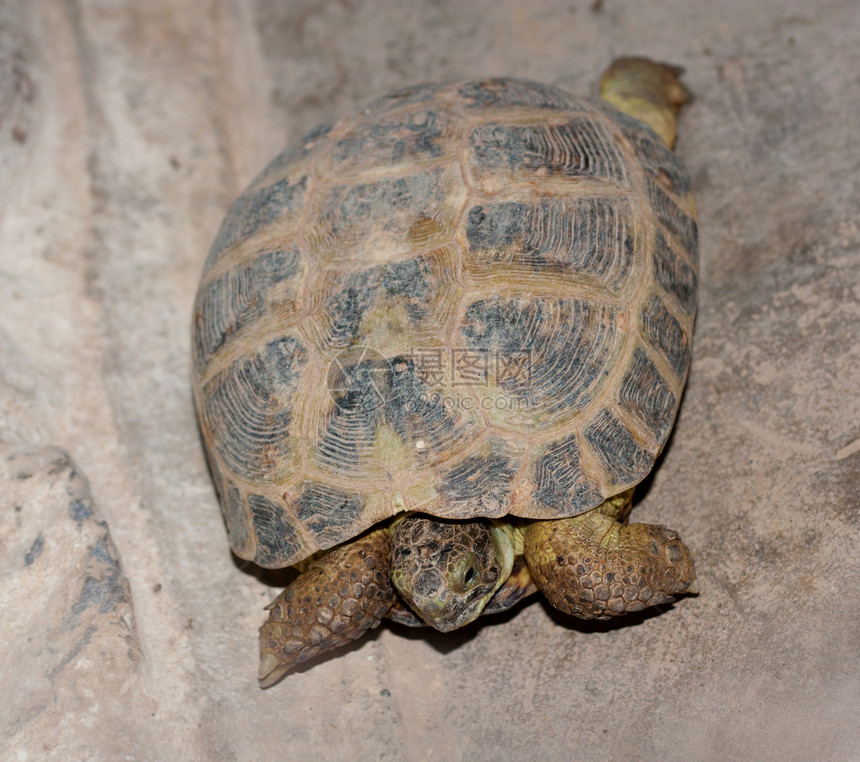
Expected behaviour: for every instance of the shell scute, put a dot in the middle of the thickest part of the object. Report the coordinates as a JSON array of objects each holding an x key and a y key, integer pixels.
[
  {"x": 367, "y": 222},
  {"x": 580, "y": 147},
  {"x": 666, "y": 335},
  {"x": 676, "y": 221},
  {"x": 330, "y": 513},
  {"x": 390, "y": 142},
  {"x": 660, "y": 162},
  {"x": 656, "y": 158},
  {"x": 564, "y": 239},
  {"x": 248, "y": 409},
  {"x": 624, "y": 459},
  {"x": 274, "y": 531},
  {"x": 568, "y": 345},
  {"x": 480, "y": 484},
  {"x": 561, "y": 484},
  {"x": 345, "y": 446},
  {"x": 393, "y": 307},
  {"x": 644, "y": 395},
  {"x": 254, "y": 210},
  {"x": 506, "y": 92},
  {"x": 236, "y": 517},
  {"x": 240, "y": 296},
  {"x": 674, "y": 275},
  {"x": 298, "y": 154},
  {"x": 418, "y": 412},
  {"x": 407, "y": 96}
]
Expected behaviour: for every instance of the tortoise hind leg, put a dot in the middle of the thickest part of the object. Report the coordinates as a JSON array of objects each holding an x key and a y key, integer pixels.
[
  {"x": 594, "y": 567},
  {"x": 646, "y": 90},
  {"x": 343, "y": 593}
]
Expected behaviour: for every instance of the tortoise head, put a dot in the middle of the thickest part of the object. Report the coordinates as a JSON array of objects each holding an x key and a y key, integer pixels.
[{"x": 447, "y": 571}]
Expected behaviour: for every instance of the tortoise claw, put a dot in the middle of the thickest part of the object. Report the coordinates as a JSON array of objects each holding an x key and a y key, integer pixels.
[{"x": 271, "y": 669}]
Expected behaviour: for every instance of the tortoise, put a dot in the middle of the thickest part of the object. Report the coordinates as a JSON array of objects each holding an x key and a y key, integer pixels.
[{"x": 436, "y": 345}]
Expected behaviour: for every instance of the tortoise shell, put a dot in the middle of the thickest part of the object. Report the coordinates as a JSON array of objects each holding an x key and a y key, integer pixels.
[{"x": 470, "y": 300}]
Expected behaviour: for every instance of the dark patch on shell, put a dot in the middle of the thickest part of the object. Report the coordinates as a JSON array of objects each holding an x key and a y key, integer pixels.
[
  {"x": 349, "y": 222},
  {"x": 479, "y": 485},
  {"x": 560, "y": 481},
  {"x": 378, "y": 200},
  {"x": 248, "y": 408},
  {"x": 656, "y": 158},
  {"x": 661, "y": 163},
  {"x": 580, "y": 148},
  {"x": 330, "y": 513},
  {"x": 252, "y": 211},
  {"x": 677, "y": 222},
  {"x": 674, "y": 275},
  {"x": 414, "y": 412},
  {"x": 644, "y": 394},
  {"x": 625, "y": 460},
  {"x": 666, "y": 335},
  {"x": 391, "y": 140},
  {"x": 304, "y": 147},
  {"x": 348, "y": 306},
  {"x": 409, "y": 279},
  {"x": 238, "y": 298},
  {"x": 568, "y": 343},
  {"x": 274, "y": 531},
  {"x": 504, "y": 92},
  {"x": 405, "y": 96},
  {"x": 587, "y": 236},
  {"x": 359, "y": 383},
  {"x": 348, "y": 440},
  {"x": 236, "y": 516}
]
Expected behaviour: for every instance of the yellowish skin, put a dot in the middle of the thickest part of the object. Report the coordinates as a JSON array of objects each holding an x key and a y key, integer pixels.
[
  {"x": 649, "y": 91},
  {"x": 593, "y": 566}
]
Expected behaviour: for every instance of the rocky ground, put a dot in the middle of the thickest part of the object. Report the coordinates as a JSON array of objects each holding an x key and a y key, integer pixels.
[{"x": 130, "y": 632}]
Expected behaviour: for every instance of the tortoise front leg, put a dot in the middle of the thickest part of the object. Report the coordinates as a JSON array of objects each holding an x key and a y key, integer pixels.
[
  {"x": 594, "y": 567},
  {"x": 343, "y": 593}
]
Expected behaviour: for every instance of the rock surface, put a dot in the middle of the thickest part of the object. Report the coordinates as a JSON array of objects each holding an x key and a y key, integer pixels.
[
  {"x": 70, "y": 645},
  {"x": 125, "y": 131}
]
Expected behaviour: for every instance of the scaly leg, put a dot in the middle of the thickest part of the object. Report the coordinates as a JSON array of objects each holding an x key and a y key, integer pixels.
[
  {"x": 593, "y": 567},
  {"x": 343, "y": 593}
]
